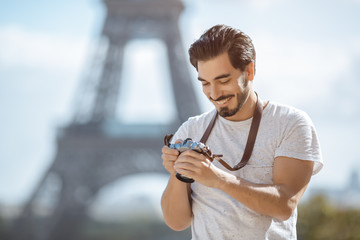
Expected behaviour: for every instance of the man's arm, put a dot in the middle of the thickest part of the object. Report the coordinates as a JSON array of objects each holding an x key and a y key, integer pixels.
[
  {"x": 290, "y": 177},
  {"x": 176, "y": 200},
  {"x": 290, "y": 180}
]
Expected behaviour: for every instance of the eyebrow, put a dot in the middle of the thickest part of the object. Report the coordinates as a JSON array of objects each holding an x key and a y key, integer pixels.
[{"x": 225, "y": 75}]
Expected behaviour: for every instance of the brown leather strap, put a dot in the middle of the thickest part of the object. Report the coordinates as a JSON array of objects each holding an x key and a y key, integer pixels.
[
  {"x": 255, "y": 123},
  {"x": 209, "y": 128},
  {"x": 250, "y": 141}
]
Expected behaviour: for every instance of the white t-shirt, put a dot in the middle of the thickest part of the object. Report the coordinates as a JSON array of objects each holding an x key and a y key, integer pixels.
[{"x": 283, "y": 131}]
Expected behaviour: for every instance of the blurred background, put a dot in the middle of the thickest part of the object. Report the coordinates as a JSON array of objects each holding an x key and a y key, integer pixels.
[{"x": 308, "y": 56}]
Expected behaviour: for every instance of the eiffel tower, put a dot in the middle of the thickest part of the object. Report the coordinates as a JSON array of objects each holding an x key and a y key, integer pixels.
[{"x": 95, "y": 149}]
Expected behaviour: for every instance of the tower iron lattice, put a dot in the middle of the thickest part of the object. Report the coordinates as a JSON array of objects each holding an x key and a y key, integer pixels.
[{"x": 93, "y": 150}]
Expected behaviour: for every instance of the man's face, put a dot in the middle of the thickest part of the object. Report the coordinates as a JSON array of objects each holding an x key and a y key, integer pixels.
[{"x": 226, "y": 87}]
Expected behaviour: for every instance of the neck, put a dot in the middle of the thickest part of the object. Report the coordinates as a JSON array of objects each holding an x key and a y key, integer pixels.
[{"x": 247, "y": 110}]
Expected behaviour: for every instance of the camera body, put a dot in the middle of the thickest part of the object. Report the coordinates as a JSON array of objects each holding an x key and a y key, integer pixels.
[{"x": 189, "y": 144}]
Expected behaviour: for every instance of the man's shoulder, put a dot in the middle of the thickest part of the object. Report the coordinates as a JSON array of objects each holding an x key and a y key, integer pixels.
[
  {"x": 201, "y": 118},
  {"x": 196, "y": 123},
  {"x": 280, "y": 110},
  {"x": 195, "y": 126}
]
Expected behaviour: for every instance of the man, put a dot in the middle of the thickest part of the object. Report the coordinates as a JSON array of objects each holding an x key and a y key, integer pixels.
[{"x": 258, "y": 201}]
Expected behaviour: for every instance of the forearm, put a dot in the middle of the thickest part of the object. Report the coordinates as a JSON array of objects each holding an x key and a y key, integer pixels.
[
  {"x": 268, "y": 199},
  {"x": 290, "y": 179},
  {"x": 176, "y": 205}
]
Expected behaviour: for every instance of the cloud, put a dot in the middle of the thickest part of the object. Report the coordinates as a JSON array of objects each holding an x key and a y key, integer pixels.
[
  {"x": 354, "y": 1},
  {"x": 299, "y": 69},
  {"x": 20, "y": 47},
  {"x": 264, "y": 3}
]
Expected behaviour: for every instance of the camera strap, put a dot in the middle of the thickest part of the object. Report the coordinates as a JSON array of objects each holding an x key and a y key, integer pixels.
[{"x": 250, "y": 140}]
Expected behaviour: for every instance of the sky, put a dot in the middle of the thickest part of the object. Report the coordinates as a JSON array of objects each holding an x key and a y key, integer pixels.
[{"x": 308, "y": 56}]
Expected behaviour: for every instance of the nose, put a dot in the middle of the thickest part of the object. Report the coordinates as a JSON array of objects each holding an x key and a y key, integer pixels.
[{"x": 215, "y": 92}]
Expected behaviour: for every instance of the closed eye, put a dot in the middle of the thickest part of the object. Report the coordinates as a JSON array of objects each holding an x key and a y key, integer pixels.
[
  {"x": 205, "y": 83},
  {"x": 225, "y": 81}
]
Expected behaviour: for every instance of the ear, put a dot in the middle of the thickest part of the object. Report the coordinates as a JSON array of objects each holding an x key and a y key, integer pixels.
[{"x": 250, "y": 71}]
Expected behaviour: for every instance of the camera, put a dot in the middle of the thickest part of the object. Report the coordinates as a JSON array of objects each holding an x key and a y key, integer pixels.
[{"x": 189, "y": 144}]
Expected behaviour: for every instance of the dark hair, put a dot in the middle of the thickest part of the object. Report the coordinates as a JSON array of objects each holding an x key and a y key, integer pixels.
[{"x": 220, "y": 39}]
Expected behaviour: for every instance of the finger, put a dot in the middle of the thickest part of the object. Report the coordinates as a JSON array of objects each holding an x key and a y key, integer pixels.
[
  {"x": 169, "y": 151},
  {"x": 188, "y": 163},
  {"x": 184, "y": 165},
  {"x": 170, "y": 158},
  {"x": 186, "y": 159},
  {"x": 178, "y": 141},
  {"x": 194, "y": 154},
  {"x": 169, "y": 167}
]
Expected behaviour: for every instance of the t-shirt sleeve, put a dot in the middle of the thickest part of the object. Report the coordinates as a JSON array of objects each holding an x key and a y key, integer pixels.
[
  {"x": 194, "y": 127},
  {"x": 299, "y": 140},
  {"x": 181, "y": 133}
]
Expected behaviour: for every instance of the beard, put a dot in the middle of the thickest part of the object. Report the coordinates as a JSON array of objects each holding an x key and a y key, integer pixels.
[{"x": 240, "y": 99}]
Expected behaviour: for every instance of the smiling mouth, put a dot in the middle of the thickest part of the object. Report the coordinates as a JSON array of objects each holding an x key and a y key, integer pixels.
[{"x": 222, "y": 100}]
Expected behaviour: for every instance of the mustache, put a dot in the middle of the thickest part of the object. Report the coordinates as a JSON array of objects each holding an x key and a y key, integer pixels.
[{"x": 222, "y": 97}]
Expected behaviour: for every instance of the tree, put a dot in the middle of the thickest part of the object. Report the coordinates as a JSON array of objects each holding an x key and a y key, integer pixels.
[{"x": 318, "y": 219}]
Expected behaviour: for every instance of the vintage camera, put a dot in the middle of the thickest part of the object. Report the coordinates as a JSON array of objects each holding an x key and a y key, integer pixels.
[{"x": 189, "y": 144}]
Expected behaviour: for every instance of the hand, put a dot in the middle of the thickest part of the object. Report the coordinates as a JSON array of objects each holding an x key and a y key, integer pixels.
[
  {"x": 196, "y": 166},
  {"x": 169, "y": 156}
]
